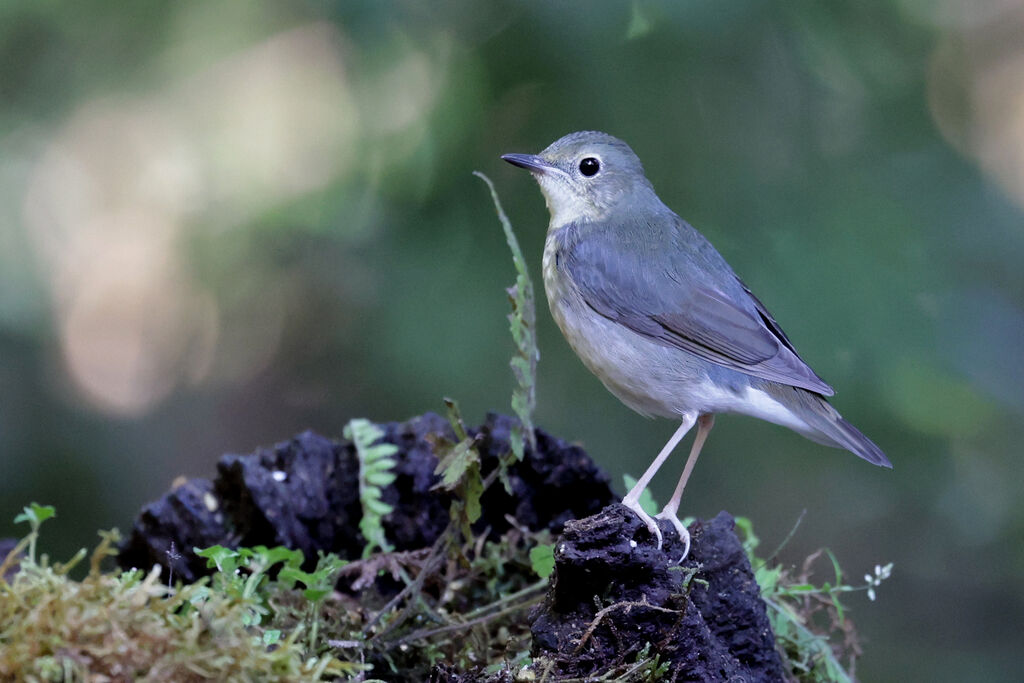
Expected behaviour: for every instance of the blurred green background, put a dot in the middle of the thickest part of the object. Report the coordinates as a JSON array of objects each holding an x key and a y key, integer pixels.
[{"x": 221, "y": 224}]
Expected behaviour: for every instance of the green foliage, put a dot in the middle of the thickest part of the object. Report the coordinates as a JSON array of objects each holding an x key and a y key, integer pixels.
[
  {"x": 648, "y": 667},
  {"x": 812, "y": 630},
  {"x": 35, "y": 514},
  {"x": 375, "y": 464},
  {"x": 319, "y": 584},
  {"x": 459, "y": 467},
  {"x": 523, "y": 324},
  {"x": 243, "y": 572},
  {"x": 542, "y": 559}
]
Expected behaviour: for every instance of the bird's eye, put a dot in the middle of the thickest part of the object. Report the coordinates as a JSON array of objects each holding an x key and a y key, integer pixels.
[{"x": 590, "y": 166}]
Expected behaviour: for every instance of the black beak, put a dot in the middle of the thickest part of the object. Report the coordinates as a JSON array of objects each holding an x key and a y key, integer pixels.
[{"x": 531, "y": 162}]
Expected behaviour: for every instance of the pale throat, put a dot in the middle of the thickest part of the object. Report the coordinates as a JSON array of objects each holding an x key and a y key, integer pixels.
[{"x": 566, "y": 207}]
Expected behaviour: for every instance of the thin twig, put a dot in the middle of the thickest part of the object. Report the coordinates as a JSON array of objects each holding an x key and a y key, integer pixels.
[
  {"x": 346, "y": 644},
  {"x": 463, "y": 625},
  {"x": 532, "y": 588},
  {"x": 428, "y": 568},
  {"x": 628, "y": 604},
  {"x": 547, "y": 671},
  {"x": 624, "y": 676},
  {"x": 785, "y": 541},
  {"x": 14, "y": 557}
]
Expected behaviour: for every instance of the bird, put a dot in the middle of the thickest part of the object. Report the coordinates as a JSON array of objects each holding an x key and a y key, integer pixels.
[{"x": 653, "y": 309}]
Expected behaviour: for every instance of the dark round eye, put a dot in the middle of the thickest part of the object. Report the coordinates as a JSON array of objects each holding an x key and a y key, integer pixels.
[{"x": 590, "y": 166}]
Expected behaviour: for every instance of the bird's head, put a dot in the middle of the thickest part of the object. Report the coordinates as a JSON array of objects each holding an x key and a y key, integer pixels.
[{"x": 585, "y": 175}]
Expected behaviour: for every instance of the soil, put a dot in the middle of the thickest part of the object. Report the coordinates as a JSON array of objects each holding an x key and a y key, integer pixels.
[{"x": 614, "y": 591}]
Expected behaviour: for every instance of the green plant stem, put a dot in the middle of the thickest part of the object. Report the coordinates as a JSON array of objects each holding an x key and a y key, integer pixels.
[
  {"x": 253, "y": 582},
  {"x": 532, "y": 588},
  {"x": 314, "y": 626},
  {"x": 785, "y": 541}
]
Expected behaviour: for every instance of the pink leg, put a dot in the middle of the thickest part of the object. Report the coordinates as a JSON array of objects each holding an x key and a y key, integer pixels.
[
  {"x": 633, "y": 497},
  {"x": 670, "y": 511}
]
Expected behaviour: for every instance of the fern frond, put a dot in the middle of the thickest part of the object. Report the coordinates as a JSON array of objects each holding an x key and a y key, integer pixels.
[
  {"x": 523, "y": 325},
  {"x": 375, "y": 465}
]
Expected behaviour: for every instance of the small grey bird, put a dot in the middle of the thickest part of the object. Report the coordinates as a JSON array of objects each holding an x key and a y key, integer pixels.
[{"x": 654, "y": 311}]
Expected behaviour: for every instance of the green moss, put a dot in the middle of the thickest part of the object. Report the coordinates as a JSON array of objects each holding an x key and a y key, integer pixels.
[{"x": 131, "y": 626}]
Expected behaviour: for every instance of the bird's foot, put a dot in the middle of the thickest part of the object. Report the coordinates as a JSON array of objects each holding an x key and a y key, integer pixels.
[
  {"x": 684, "y": 534},
  {"x": 652, "y": 525}
]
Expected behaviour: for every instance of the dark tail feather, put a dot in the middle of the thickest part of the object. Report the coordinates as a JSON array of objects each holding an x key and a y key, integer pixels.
[
  {"x": 829, "y": 428},
  {"x": 861, "y": 445}
]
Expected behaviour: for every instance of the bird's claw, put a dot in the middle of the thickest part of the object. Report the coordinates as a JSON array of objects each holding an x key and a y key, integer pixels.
[
  {"x": 652, "y": 525},
  {"x": 684, "y": 534}
]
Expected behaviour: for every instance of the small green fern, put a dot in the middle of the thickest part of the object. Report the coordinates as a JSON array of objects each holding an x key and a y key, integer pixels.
[
  {"x": 523, "y": 324},
  {"x": 375, "y": 465}
]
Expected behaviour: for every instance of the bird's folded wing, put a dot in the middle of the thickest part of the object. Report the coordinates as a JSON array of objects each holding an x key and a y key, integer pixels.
[{"x": 672, "y": 296}]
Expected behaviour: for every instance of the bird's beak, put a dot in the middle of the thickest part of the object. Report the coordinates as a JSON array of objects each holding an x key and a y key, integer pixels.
[{"x": 531, "y": 162}]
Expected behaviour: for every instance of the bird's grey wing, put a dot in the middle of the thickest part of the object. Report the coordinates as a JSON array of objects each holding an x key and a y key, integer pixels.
[
  {"x": 767, "y": 317},
  {"x": 684, "y": 295}
]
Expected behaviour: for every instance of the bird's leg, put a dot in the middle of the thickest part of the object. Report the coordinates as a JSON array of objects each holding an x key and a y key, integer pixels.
[
  {"x": 670, "y": 511},
  {"x": 632, "y": 499}
]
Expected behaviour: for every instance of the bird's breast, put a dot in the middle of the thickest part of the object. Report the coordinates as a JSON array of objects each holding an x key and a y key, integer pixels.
[
  {"x": 549, "y": 266},
  {"x": 650, "y": 378}
]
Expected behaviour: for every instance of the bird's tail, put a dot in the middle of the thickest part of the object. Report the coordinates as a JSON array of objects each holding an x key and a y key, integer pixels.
[{"x": 826, "y": 426}]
